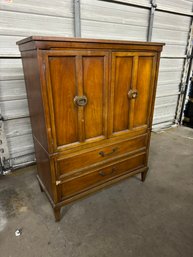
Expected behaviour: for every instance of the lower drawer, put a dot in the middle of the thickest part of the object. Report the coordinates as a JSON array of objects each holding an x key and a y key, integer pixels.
[
  {"x": 83, "y": 182},
  {"x": 66, "y": 164}
]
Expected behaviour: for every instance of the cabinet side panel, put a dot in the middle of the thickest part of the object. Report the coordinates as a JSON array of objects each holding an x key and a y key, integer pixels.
[
  {"x": 33, "y": 87},
  {"x": 43, "y": 167}
]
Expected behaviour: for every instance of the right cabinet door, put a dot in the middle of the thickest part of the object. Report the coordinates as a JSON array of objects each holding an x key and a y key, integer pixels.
[{"x": 132, "y": 91}]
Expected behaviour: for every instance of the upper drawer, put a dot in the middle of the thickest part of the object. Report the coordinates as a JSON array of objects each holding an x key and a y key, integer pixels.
[{"x": 79, "y": 161}]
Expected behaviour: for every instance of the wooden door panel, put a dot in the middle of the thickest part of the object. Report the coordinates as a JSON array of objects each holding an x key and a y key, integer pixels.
[
  {"x": 73, "y": 75},
  {"x": 123, "y": 78},
  {"x": 132, "y": 72},
  {"x": 93, "y": 88},
  {"x": 144, "y": 87},
  {"x": 63, "y": 81}
]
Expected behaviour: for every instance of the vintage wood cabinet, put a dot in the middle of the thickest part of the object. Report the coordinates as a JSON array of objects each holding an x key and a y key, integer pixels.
[{"x": 91, "y": 106}]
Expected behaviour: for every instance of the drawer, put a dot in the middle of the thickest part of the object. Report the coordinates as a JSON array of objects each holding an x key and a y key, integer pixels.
[
  {"x": 75, "y": 185},
  {"x": 79, "y": 161}
]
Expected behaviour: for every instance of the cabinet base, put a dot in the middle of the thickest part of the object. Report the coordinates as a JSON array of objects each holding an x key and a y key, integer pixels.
[{"x": 57, "y": 207}]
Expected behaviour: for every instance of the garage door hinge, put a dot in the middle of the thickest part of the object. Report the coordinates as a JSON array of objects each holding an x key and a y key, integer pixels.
[{"x": 153, "y": 4}]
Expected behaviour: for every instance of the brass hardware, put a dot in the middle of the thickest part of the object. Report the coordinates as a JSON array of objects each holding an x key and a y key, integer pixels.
[
  {"x": 58, "y": 182},
  {"x": 80, "y": 100},
  {"x": 133, "y": 94},
  {"x": 107, "y": 154},
  {"x": 102, "y": 173}
]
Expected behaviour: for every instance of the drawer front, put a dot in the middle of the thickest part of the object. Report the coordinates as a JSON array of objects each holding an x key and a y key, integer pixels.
[
  {"x": 83, "y": 182},
  {"x": 84, "y": 160}
]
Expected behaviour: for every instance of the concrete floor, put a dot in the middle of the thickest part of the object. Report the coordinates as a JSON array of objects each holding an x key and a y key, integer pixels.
[{"x": 151, "y": 219}]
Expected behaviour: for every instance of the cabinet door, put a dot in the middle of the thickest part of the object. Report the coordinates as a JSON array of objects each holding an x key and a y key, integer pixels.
[
  {"x": 77, "y": 88},
  {"x": 132, "y": 88}
]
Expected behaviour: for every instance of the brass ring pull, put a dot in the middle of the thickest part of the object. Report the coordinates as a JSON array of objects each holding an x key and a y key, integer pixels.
[
  {"x": 80, "y": 100},
  {"x": 133, "y": 94},
  {"x": 102, "y": 173},
  {"x": 107, "y": 154}
]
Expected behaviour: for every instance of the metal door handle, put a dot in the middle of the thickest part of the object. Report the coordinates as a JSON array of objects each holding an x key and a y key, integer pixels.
[
  {"x": 132, "y": 94},
  {"x": 80, "y": 100},
  {"x": 103, "y": 154},
  {"x": 102, "y": 173}
]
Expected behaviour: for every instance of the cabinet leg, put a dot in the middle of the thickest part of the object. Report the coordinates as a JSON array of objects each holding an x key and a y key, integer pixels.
[
  {"x": 57, "y": 214},
  {"x": 143, "y": 175}
]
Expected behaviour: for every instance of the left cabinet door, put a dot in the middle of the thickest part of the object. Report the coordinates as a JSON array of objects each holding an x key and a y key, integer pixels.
[{"x": 77, "y": 88}]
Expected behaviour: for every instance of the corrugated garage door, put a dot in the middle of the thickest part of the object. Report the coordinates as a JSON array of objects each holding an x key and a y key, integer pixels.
[
  {"x": 129, "y": 20},
  {"x": 173, "y": 29},
  {"x": 19, "y": 19}
]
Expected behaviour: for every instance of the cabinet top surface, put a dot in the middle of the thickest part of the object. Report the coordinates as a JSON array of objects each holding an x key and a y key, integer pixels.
[{"x": 86, "y": 40}]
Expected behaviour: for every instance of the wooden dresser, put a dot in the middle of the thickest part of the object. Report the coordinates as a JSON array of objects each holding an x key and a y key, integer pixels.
[{"x": 91, "y": 107}]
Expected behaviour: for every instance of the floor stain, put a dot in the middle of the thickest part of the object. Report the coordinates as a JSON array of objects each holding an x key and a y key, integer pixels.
[{"x": 11, "y": 202}]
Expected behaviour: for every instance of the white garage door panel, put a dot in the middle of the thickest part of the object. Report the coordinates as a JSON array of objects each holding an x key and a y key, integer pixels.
[
  {"x": 96, "y": 29},
  {"x": 113, "y": 21},
  {"x": 173, "y": 30},
  {"x": 163, "y": 118},
  {"x": 168, "y": 64},
  {"x": 169, "y": 77},
  {"x": 17, "y": 127},
  {"x": 19, "y": 139},
  {"x": 170, "y": 37},
  {"x": 142, "y": 2},
  {"x": 30, "y": 24},
  {"x": 8, "y": 46},
  {"x": 169, "y": 89},
  {"x": 14, "y": 109},
  {"x": 175, "y": 50},
  {"x": 20, "y": 145},
  {"x": 12, "y": 90},
  {"x": 28, "y": 158},
  {"x": 109, "y": 12},
  {"x": 23, "y": 24},
  {"x": 11, "y": 69},
  {"x": 165, "y": 108},
  {"x": 164, "y": 124},
  {"x": 176, "y": 4},
  {"x": 164, "y": 101},
  {"x": 171, "y": 21},
  {"x": 55, "y": 8},
  {"x": 20, "y": 19},
  {"x": 164, "y": 113}
]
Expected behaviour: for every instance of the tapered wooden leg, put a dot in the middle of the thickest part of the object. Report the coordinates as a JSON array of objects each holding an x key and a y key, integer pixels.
[
  {"x": 143, "y": 175},
  {"x": 57, "y": 214}
]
